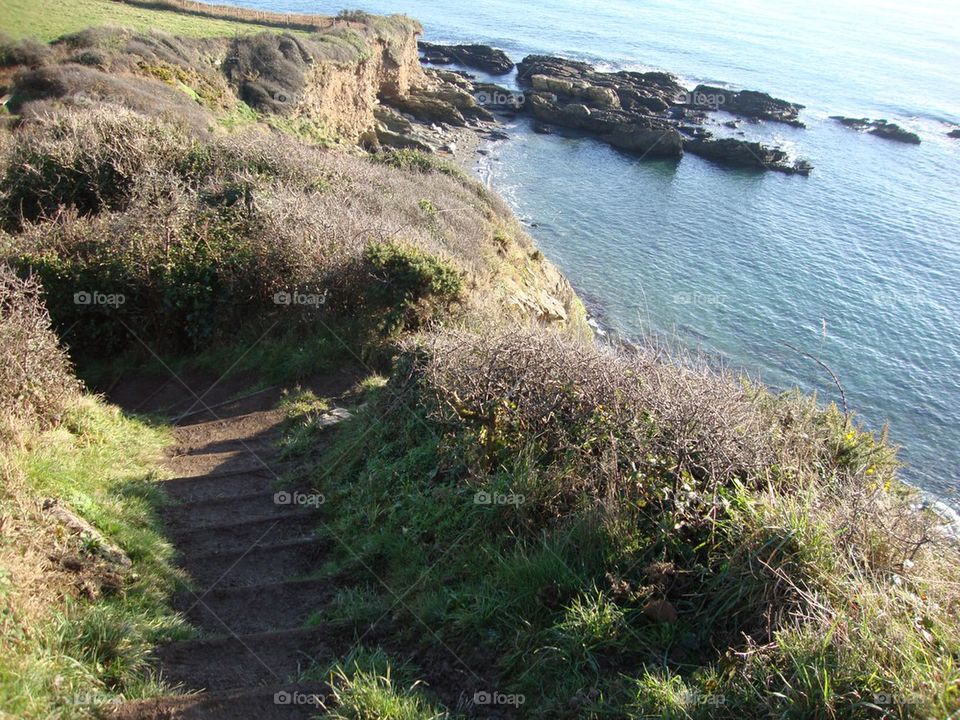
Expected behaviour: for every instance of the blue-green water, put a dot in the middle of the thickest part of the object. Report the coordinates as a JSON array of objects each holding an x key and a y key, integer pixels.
[{"x": 858, "y": 264}]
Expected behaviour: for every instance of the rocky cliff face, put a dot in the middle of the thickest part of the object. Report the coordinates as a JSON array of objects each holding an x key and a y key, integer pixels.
[
  {"x": 341, "y": 92},
  {"x": 343, "y": 96}
]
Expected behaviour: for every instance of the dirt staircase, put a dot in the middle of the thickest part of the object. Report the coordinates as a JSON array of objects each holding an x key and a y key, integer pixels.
[{"x": 248, "y": 552}]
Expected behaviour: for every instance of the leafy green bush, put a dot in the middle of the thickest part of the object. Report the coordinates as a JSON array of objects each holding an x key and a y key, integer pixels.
[
  {"x": 404, "y": 277},
  {"x": 416, "y": 160}
]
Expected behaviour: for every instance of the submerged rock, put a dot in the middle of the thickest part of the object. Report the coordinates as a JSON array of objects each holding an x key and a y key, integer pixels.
[
  {"x": 481, "y": 57},
  {"x": 880, "y": 128}
]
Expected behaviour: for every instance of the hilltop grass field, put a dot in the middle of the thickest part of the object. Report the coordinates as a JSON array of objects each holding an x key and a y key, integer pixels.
[{"x": 47, "y": 19}]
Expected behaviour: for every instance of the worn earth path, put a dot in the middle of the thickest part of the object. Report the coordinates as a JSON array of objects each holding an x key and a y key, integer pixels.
[{"x": 248, "y": 552}]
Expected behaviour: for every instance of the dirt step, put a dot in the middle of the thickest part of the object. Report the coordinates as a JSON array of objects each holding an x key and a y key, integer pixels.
[
  {"x": 263, "y": 444},
  {"x": 224, "y": 427},
  {"x": 247, "y": 401},
  {"x": 260, "y": 505},
  {"x": 250, "y": 660},
  {"x": 222, "y": 462},
  {"x": 279, "y": 702},
  {"x": 221, "y": 485},
  {"x": 257, "y": 566},
  {"x": 224, "y": 406},
  {"x": 257, "y": 608},
  {"x": 237, "y": 537}
]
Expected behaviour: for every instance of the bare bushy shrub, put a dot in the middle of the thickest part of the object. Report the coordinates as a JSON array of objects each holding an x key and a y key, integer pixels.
[
  {"x": 160, "y": 46},
  {"x": 45, "y": 90},
  {"x": 773, "y": 510},
  {"x": 200, "y": 235},
  {"x": 86, "y": 160},
  {"x": 612, "y": 419},
  {"x": 36, "y": 380},
  {"x": 27, "y": 51},
  {"x": 609, "y": 420}
]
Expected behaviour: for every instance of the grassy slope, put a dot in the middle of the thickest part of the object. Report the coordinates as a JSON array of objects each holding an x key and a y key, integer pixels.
[
  {"x": 550, "y": 606},
  {"x": 50, "y": 19},
  {"x": 76, "y": 652}
]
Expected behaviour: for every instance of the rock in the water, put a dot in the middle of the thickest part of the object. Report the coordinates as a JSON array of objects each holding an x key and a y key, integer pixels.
[
  {"x": 632, "y": 132},
  {"x": 955, "y": 134},
  {"x": 741, "y": 153},
  {"x": 880, "y": 128},
  {"x": 649, "y": 113},
  {"x": 497, "y": 98},
  {"x": 481, "y": 57},
  {"x": 747, "y": 103}
]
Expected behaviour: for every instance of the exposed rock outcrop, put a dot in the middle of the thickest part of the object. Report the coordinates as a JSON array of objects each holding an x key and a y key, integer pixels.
[
  {"x": 628, "y": 131},
  {"x": 634, "y": 92},
  {"x": 394, "y": 131},
  {"x": 328, "y": 80},
  {"x": 955, "y": 134},
  {"x": 746, "y": 103},
  {"x": 880, "y": 128},
  {"x": 441, "y": 97},
  {"x": 481, "y": 57},
  {"x": 651, "y": 113},
  {"x": 741, "y": 153}
]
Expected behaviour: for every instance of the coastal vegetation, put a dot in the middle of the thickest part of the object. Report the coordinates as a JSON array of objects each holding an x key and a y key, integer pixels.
[{"x": 538, "y": 525}]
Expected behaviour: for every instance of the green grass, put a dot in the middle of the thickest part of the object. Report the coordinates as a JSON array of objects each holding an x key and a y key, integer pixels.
[
  {"x": 367, "y": 684},
  {"x": 305, "y": 129},
  {"x": 50, "y": 19},
  {"x": 83, "y": 652}
]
